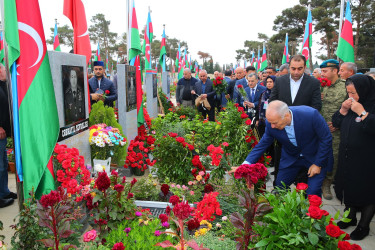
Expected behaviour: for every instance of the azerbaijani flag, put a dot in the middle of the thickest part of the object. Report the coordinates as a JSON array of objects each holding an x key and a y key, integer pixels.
[
  {"x": 134, "y": 58},
  {"x": 252, "y": 58},
  {"x": 286, "y": 51},
  {"x": 163, "y": 51},
  {"x": 75, "y": 11},
  {"x": 196, "y": 69},
  {"x": 38, "y": 122},
  {"x": 56, "y": 42},
  {"x": 186, "y": 60},
  {"x": 178, "y": 54},
  {"x": 146, "y": 50},
  {"x": 97, "y": 55},
  {"x": 264, "y": 63},
  {"x": 180, "y": 69},
  {"x": 345, "y": 49},
  {"x": 258, "y": 60},
  {"x": 307, "y": 38},
  {"x": 1, "y": 48}
]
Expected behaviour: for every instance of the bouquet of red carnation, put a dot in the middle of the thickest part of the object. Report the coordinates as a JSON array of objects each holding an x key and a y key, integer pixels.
[
  {"x": 242, "y": 92},
  {"x": 220, "y": 85},
  {"x": 324, "y": 82}
]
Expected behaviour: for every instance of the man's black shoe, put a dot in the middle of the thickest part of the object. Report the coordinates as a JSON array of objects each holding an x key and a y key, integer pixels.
[
  {"x": 11, "y": 195},
  {"x": 359, "y": 233},
  {"x": 344, "y": 225},
  {"x": 6, "y": 202}
]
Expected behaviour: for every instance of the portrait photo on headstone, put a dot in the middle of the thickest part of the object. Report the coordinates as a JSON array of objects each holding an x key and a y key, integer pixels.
[
  {"x": 154, "y": 85},
  {"x": 73, "y": 93},
  {"x": 131, "y": 89}
]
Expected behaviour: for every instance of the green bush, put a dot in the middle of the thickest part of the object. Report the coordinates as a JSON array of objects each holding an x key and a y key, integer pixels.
[
  {"x": 140, "y": 237},
  {"x": 104, "y": 114},
  {"x": 213, "y": 242},
  {"x": 145, "y": 189}
]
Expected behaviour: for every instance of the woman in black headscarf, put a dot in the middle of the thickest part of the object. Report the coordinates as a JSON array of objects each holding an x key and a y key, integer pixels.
[
  {"x": 355, "y": 177},
  {"x": 263, "y": 104}
]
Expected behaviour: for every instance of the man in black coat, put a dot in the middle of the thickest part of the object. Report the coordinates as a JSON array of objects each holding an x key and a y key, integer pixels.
[
  {"x": 204, "y": 89},
  {"x": 6, "y": 197},
  {"x": 184, "y": 87},
  {"x": 297, "y": 88}
]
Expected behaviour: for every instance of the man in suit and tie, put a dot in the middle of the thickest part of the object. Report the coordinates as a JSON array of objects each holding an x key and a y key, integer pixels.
[
  {"x": 306, "y": 140},
  {"x": 253, "y": 92},
  {"x": 204, "y": 89},
  {"x": 99, "y": 85},
  {"x": 297, "y": 88}
]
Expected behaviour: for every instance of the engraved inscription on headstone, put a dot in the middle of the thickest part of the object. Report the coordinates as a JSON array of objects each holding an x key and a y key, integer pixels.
[
  {"x": 168, "y": 84},
  {"x": 131, "y": 88},
  {"x": 73, "y": 93},
  {"x": 154, "y": 85}
]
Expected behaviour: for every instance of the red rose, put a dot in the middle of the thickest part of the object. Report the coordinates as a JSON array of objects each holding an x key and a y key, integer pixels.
[
  {"x": 248, "y": 122},
  {"x": 118, "y": 246},
  {"x": 344, "y": 245},
  {"x": 244, "y": 116},
  {"x": 356, "y": 247},
  {"x": 239, "y": 86},
  {"x": 315, "y": 200},
  {"x": 333, "y": 231},
  {"x": 314, "y": 212},
  {"x": 301, "y": 186},
  {"x": 324, "y": 213},
  {"x": 107, "y": 92},
  {"x": 347, "y": 236}
]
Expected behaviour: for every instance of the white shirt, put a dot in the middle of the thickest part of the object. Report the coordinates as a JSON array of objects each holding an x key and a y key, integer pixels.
[
  {"x": 294, "y": 86},
  {"x": 99, "y": 82}
]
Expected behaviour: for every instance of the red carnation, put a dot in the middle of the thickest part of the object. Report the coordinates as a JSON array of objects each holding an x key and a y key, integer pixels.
[
  {"x": 49, "y": 200},
  {"x": 315, "y": 200},
  {"x": 182, "y": 210},
  {"x": 118, "y": 246},
  {"x": 165, "y": 189},
  {"x": 174, "y": 200},
  {"x": 107, "y": 92},
  {"x": 102, "y": 182},
  {"x": 333, "y": 231},
  {"x": 301, "y": 186}
]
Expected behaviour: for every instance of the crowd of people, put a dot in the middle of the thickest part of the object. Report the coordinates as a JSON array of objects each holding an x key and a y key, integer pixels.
[{"x": 319, "y": 128}]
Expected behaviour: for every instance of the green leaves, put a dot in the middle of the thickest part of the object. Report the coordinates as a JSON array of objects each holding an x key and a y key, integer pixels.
[{"x": 313, "y": 238}]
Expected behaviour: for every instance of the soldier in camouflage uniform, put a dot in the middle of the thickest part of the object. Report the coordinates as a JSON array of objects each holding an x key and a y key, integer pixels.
[{"x": 332, "y": 98}]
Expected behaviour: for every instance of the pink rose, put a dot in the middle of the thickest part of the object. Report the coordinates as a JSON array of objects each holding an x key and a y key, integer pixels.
[
  {"x": 178, "y": 186},
  {"x": 201, "y": 173},
  {"x": 190, "y": 183},
  {"x": 89, "y": 236},
  {"x": 191, "y": 192}
]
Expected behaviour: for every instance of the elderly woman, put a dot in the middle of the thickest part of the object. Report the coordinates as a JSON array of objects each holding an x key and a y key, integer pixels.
[{"x": 355, "y": 177}]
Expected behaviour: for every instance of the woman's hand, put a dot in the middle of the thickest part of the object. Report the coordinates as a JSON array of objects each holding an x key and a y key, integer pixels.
[
  {"x": 356, "y": 107},
  {"x": 346, "y": 105}
]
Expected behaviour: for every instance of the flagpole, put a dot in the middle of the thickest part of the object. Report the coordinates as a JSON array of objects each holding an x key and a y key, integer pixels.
[
  {"x": 128, "y": 23},
  {"x": 341, "y": 17}
]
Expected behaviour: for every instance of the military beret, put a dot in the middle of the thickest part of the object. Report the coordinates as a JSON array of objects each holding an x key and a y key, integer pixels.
[
  {"x": 330, "y": 63},
  {"x": 98, "y": 63}
]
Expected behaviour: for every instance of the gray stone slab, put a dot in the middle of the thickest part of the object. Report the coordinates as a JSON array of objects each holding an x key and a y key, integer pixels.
[
  {"x": 126, "y": 112},
  {"x": 151, "y": 82},
  {"x": 166, "y": 83}
]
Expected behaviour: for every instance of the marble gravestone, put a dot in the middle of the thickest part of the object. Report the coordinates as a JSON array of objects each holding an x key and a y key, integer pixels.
[
  {"x": 69, "y": 75},
  {"x": 166, "y": 84},
  {"x": 127, "y": 100},
  {"x": 151, "y": 91}
]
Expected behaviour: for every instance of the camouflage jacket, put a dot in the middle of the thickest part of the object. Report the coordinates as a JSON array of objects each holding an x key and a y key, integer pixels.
[{"x": 333, "y": 97}]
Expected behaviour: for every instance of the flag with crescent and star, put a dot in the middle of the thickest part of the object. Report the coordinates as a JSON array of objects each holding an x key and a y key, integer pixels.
[
  {"x": 307, "y": 38},
  {"x": 37, "y": 110},
  {"x": 56, "y": 42},
  {"x": 163, "y": 51},
  {"x": 286, "y": 51},
  {"x": 345, "y": 48},
  {"x": 148, "y": 35},
  {"x": 1, "y": 48},
  {"x": 178, "y": 54},
  {"x": 264, "y": 62},
  {"x": 75, "y": 11}
]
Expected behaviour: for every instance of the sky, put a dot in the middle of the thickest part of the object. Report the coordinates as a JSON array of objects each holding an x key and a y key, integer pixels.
[{"x": 216, "y": 27}]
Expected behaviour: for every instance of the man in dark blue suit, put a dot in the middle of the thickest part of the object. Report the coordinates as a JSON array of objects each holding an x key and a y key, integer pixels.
[
  {"x": 204, "y": 89},
  {"x": 99, "y": 84},
  {"x": 306, "y": 140},
  {"x": 253, "y": 93}
]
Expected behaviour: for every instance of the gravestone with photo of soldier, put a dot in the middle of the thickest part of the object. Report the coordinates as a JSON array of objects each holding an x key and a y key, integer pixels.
[
  {"x": 71, "y": 93},
  {"x": 166, "y": 83},
  {"x": 151, "y": 91}
]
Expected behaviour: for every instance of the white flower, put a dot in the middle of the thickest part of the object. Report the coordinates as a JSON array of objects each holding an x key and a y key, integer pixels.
[
  {"x": 224, "y": 218},
  {"x": 99, "y": 168},
  {"x": 218, "y": 225}
]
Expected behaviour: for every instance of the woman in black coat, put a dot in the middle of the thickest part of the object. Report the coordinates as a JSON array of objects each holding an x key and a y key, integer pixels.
[{"x": 355, "y": 177}]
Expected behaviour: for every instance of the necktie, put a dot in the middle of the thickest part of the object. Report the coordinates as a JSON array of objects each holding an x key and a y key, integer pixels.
[{"x": 252, "y": 94}]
